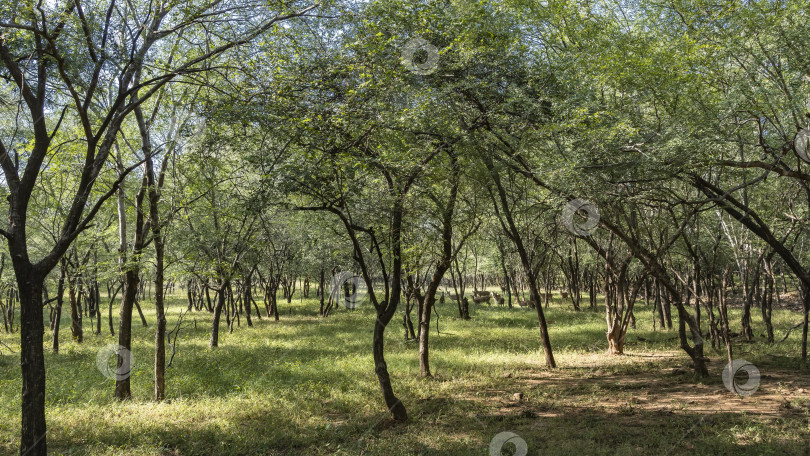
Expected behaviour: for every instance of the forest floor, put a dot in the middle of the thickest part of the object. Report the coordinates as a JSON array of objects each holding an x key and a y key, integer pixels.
[{"x": 306, "y": 386}]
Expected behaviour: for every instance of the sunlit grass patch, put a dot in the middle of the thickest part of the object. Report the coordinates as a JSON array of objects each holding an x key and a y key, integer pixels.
[{"x": 306, "y": 385}]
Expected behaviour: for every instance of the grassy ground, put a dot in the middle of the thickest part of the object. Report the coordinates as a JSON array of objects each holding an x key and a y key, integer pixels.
[{"x": 305, "y": 385}]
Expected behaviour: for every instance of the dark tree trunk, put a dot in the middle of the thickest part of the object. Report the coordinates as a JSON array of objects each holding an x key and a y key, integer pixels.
[
  {"x": 217, "y": 313},
  {"x": 189, "y": 295},
  {"x": 160, "y": 324},
  {"x": 750, "y": 286},
  {"x": 321, "y": 285},
  {"x": 442, "y": 266},
  {"x": 410, "y": 333},
  {"x": 274, "y": 299},
  {"x": 248, "y": 287},
  {"x": 131, "y": 287},
  {"x": 766, "y": 304},
  {"x": 394, "y": 405},
  {"x": 659, "y": 306},
  {"x": 60, "y": 294},
  {"x": 806, "y": 300},
  {"x": 97, "y": 306},
  {"x": 75, "y": 313},
  {"x": 122, "y": 385},
  {"x": 140, "y": 311},
  {"x": 32, "y": 359},
  {"x": 157, "y": 235}
]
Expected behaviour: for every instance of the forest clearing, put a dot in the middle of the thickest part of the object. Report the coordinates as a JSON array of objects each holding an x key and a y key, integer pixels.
[{"x": 302, "y": 386}]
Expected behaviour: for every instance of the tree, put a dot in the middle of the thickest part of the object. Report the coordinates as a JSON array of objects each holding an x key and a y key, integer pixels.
[{"x": 71, "y": 59}]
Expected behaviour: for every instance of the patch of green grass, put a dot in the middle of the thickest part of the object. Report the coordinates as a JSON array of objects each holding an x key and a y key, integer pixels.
[{"x": 306, "y": 385}]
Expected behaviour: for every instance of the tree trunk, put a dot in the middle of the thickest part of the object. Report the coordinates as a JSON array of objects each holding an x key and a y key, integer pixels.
[
  {"x": 806, "y": 300},
  {"x": 321, "y": 292},
  {"x": 32, "y": 359},
  {"x": 394, "y": 405},
  {"x": 511, "y": 228},
  {"x": 748, "y": 300},
  {"x": 766, "y": 304},
  {"x": 140, "y": 312},
  {"x": 60, "y": 293},
  {"x": 616, "y": 340},
  {"x": 122, "y": 386},
  {"x": 160, "y": 324},
  {"x": 217, "y": 313},
  {"x": 424, "y": 322},
  {"x": 157, "y": 234},
  {"x": 246, "y": 298},
  {"x": 75, "y": 314}
]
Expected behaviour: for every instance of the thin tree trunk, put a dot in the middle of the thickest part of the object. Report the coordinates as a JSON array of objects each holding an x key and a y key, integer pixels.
[
  {"x": 511, "y": 229},
  {"x": 217, "y": 313},
  {"x": 60, "y": 293},
  {"x": 157, "y": 235},
  {"x": 75, "y": 314},
  {"x": 442, "y": 266}
]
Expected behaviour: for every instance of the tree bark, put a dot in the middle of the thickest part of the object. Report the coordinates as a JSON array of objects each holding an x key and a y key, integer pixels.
[
  {"x": 214, "y": 342},
  {"x": 75, "y": 315},
  {"x": 442, "y": 266},
  {"x": 60, "y": 293},
  {"x": 157, "y": 235},
  {"x": 32, "y": 359},
  {"x": 130, "y": 295}
]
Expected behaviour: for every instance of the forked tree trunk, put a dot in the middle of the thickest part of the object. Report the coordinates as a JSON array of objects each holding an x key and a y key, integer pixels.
[
  {"x": 616, "y": 340},
  {"x": 654, "y": 267}
]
